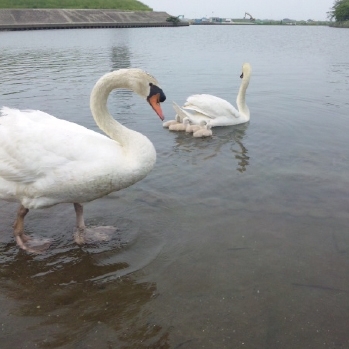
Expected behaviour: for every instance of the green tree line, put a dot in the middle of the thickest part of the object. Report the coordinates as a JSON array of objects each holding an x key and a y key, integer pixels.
[{"x": 340, "y": 11}]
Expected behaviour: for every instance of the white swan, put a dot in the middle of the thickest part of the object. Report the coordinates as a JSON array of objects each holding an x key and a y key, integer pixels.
[
  {"x": 45, "y": 161},
  {"x": 215, "y": 110}
]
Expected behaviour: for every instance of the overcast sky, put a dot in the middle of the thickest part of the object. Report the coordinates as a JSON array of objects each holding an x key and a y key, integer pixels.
[{"x": 267, "y": 9}]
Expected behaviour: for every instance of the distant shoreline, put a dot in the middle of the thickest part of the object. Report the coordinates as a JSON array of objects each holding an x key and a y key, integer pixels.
[
  {"x": 340, "y": 24},
  {"x": 44, "y": 19}
]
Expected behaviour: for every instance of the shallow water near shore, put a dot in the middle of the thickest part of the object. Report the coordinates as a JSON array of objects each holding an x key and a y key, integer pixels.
[{"x": 236, "y": 241}]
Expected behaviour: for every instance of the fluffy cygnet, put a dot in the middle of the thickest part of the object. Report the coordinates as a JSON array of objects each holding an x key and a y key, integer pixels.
[
  {"x": 204, "y": 131},
  {"x": 190, "y": 128},
  {"x": 168, "y": 123},
  {"x": 177, "y": 127}
]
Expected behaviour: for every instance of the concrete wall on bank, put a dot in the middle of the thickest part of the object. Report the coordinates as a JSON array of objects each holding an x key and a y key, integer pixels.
[{"x": 29, "y": 19}]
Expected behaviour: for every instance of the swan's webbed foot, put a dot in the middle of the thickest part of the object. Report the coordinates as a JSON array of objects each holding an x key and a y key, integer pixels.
[
  {"x": 33, "y": 245},
  {"x": 83, "y": 235},
  {"x": 79, "y": 236},
  {"x": 26, "y": 242},
  {"x": 93, "y": 234}
]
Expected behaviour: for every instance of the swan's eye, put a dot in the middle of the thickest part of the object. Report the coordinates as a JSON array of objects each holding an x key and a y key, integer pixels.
[
  {"x": 154, "y": 90},
  {"x": 162, "y": 96},
  {"x": 242, "y": 75}
]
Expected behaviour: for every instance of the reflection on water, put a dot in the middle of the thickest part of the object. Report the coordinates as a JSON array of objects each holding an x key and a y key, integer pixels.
[
  {"x": 76, "y": 297},
  {"x": 338, "y": 78},
  {"x": 65, "y": 308},
  {"x": 225, "y": 140},
  {"x": 120, "y": 57}
]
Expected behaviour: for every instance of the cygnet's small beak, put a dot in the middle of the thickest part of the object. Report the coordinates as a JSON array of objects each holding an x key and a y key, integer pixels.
[{"x": 154, "y": 101}]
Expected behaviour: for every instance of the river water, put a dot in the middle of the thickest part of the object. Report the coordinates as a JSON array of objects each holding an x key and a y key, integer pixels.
[{"x": 237, "y": 241}]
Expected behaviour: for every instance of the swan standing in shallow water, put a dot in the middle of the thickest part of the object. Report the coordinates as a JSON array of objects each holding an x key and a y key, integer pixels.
[
  {"x": 217, "y": 111},
  {"x": 45, "y": 161}
]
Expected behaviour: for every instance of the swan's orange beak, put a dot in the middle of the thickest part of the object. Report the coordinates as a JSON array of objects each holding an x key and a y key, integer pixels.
[{"x": 154, "y": 102}]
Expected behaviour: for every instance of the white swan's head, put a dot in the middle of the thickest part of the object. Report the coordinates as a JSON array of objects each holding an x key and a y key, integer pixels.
[
  {"x": 134, "y": 79},
  {"x": 147, "y": 87},
  {"x": 246, "y": 71},
  {"x": 155, "y": 97}
]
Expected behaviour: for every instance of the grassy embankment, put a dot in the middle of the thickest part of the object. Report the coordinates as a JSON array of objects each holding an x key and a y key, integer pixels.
[{"x": 132, "y": 5}]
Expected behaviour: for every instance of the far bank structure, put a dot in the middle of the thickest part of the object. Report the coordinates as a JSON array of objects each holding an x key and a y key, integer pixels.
[{"x": 36, "y": 19}]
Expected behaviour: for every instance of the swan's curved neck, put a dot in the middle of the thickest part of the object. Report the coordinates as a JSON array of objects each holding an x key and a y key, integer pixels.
[
  {"x": 139, "y": 152},
  {"x": 241, "y": 97},
  {"x": 99, "y": 109}
]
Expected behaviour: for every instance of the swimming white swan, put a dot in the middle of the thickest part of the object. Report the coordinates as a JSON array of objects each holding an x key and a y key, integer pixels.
[
  {"x": 215, "y": 110},
  {"x": 46, "y": 161}
]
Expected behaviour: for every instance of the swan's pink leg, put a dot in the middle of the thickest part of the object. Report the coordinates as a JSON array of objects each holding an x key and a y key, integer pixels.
[
  {"x": 23, "y": 241},
  {"x": 79, "y": 235},
  {"x": 18, "y": 228},
  {"x": 84, "y": 235}
]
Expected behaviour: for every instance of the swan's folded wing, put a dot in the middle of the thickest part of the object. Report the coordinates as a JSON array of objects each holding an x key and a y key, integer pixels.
[
  {"x": 210, "y": 106},
  {"x": 180, "y": 112},
  {"x": 34, "y": 145}
]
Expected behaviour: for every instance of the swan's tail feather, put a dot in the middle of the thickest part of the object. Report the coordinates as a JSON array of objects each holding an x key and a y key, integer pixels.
[{"x": 180, "y": 112}]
